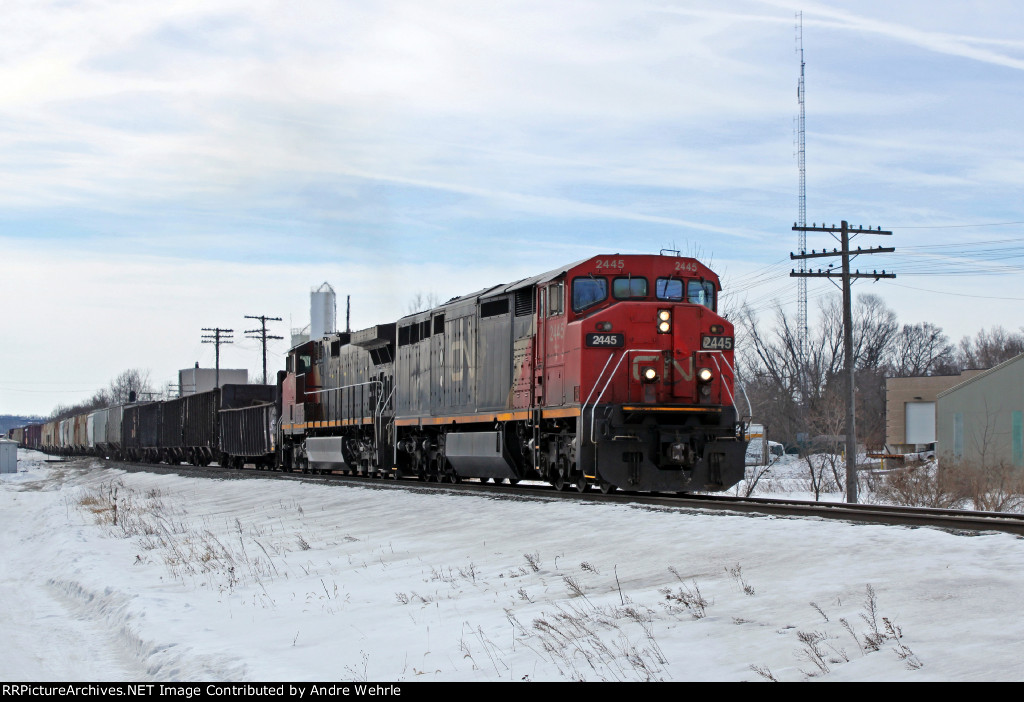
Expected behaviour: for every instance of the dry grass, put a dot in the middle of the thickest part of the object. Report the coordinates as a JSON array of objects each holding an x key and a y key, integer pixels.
[
  {"x": 996, "y": 488},
  {"x": 186, "y": 549}
]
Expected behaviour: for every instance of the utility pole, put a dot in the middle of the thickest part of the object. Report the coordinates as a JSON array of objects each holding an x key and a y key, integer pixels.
[
  {"x": 263, "y": 336},
  {"x": 219, "y": 336},
  {"x": 847, "y": 277}
]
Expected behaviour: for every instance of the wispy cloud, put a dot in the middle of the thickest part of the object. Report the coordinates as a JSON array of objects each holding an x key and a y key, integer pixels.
[
  {"x": 374, "y": 143},
  {"x": 961, "y": 45}
]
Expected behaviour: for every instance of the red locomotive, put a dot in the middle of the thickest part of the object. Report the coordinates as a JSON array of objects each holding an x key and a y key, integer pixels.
[{"x": 616, "y": 371}]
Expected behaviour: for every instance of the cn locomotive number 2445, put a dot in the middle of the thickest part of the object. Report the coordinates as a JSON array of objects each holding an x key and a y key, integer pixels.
[{"x": 616, "y": 371}]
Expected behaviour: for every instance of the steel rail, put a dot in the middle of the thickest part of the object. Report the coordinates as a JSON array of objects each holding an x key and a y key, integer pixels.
[{"x": 959, "y": 521}]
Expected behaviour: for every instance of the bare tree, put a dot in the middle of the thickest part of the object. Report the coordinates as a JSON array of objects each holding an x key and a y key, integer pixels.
[
  {"x": 921, "y": 349},
  {"x": 133, "y": 381},
  {"x": 99, "y": 400},
  {"x": 826, "y": 469},
  {"x": 787, "y": 389},
  {"x": 421, "y": 302},
  {"x": 991, "y": 348}
]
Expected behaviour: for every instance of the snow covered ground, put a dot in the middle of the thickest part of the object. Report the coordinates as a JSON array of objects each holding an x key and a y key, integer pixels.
[{"x": 252, "y": 580}]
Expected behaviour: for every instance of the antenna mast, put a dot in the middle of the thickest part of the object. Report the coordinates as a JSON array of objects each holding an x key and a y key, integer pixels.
[{"x": 801, "y": 245}]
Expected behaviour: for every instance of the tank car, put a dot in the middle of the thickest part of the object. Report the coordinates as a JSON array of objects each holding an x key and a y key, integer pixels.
[{"x": 615, "y": 371}]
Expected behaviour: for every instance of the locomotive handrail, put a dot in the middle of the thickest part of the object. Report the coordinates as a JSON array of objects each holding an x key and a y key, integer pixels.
[
  {"x": 378, "y": 408},
  {"x": 377, "y": 411},
  {"x": 345, "y": 387},
  {"x": 724, "y": 385},
  {"x": 622, "y": 357},
  {"x": 594, "y": 387},
  {"x": 750, "y": 409},
  {"x": 600, "y": 375}
]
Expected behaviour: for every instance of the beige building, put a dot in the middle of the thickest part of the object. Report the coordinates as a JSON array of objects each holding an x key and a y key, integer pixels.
[
  {"x": 195, "y": 380},
  {"x": 911, "y": 409},
  {"x": 981, "y": 420}
]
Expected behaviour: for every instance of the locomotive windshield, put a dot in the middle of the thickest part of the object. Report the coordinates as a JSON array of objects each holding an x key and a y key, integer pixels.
[
  {"x": 698, "y": 292},
  {"x": 669, "y": 289},
  {"x": 701, "y": 292},
  {"x": 587, "y": 292},
  {"x": 592, "y": 290},
  {"x": 630, "y": 287}
]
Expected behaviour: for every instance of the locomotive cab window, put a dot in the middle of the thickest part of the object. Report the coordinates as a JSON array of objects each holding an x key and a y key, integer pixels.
[
  {"x": 670, "y": 289},
  {"x": 587, "y": 292},
  {"x": 629, "y": 288},
  {"x": 555, "y": 294},
  {"x": 701, "y": 292}
]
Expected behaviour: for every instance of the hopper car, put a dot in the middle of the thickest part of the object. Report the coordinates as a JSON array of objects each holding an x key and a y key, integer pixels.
[{"x": 615, "y": 371}]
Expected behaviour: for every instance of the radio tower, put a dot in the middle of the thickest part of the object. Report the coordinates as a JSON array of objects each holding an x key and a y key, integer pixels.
[{"x": 801, "y": 245}]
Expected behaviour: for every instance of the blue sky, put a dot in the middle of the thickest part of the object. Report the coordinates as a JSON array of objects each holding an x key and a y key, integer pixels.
[{"x": 174, "y": 166}]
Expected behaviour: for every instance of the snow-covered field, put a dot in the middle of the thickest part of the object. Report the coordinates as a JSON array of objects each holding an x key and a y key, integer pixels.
[{"x": 263, "y": 581}]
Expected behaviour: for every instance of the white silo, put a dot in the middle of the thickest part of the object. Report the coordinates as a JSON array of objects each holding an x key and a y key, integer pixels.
[{"x": 322, "y": 312}]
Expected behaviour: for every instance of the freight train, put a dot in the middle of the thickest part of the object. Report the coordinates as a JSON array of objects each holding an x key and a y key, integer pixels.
[{"x": 616, "y": 371}]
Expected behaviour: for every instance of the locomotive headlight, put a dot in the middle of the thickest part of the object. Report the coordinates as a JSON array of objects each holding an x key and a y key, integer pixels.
[
  {"x": 705, "y": 375},
  {"x": 650, "y": 375},
  {"x": 664, "y": 321},
  {"x": 603, "y": 326}
]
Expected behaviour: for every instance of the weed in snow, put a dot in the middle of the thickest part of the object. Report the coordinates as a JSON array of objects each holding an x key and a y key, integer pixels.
[
  {"x": 685, "y": 598},
  {"x": 737, "y": 573},
  {"x": 819, "y": 647}
]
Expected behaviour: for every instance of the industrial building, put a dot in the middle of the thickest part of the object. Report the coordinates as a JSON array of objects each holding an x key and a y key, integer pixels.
[
  {"x": 910, "y": 410},
  {"x": 981, "y": 420},
  {"x": 196, "y": 380}
]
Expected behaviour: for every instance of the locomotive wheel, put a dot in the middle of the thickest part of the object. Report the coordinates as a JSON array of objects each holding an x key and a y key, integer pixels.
[
  {"x": 605, "y": 487},
  {"x": 581, "y": 483},
  {"x": 560, "y": 483}
]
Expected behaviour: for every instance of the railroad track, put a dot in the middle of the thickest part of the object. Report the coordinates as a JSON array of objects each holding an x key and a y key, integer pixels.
[{"x": 959, "y": 521}]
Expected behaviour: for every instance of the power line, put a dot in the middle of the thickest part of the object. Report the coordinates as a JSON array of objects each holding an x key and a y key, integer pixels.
[
  {"x": 844, "y": 230},
  {"x": 219, "y": 336},
  {"x": 957, "y": 226},
  {"x": 957, "y": 293},
  {"x": 263, "y": 336}
]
